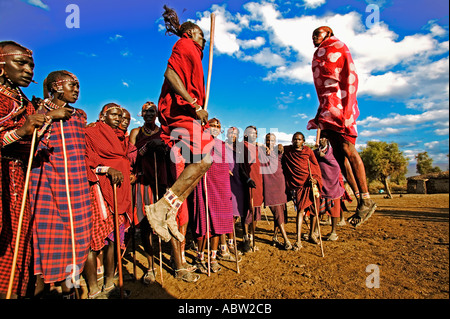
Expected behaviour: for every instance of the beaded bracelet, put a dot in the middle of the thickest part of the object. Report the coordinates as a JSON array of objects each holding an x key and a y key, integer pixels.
[
  {"x": 10, "y": 137},
  {"x": 101, "y": 169}
]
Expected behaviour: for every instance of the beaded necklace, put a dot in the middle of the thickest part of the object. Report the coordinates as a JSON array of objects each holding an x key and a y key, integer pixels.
[
  {"x": 17, "y": 96},
  {"x": 149, "y": 132}
]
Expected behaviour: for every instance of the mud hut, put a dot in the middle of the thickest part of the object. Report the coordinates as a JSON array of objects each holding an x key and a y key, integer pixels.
[{"x": 432, "y": 183}]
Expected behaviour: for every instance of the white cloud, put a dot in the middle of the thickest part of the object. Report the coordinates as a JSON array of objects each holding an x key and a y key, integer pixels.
[
  {"x": 38, "y": 3},
  {"x": 115, "y": 38},
  {"x": 407, "y": 119},
  {"x": 125, "y": 84},
  {"x": 266, "y": 58},
  {"x": 387, "y": 131},
  {"x": 313, "y": 3}
]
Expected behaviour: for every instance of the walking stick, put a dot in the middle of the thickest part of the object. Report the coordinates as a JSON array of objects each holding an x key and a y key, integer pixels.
[
  {"x": 22, "y": 209},
  {"x": 69, "y": 204},
  {"x": 235, "y": 247},
  {"x": 316, "y": 195},
  {"x": 211, "y": 48},
  {"x": 208, "y": 86},
  {"x": 119, "y": 255},
  {"x": 253, "y": 219},
  {"x": 207, "y": 227},
  {"x": 159, "y": 238}
]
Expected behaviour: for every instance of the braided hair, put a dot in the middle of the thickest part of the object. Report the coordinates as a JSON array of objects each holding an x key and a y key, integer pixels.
[{"x": 172, "y": 23}]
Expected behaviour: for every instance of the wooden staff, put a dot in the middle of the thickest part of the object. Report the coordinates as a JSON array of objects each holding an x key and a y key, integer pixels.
[
  {"x": 22, "y": 209},
  {"x": 207, "y": 227},
  {"x": 159, "y": 238},
  {"x": 253, "y": 219},
  {"x": 208, "y": 86},
  {"x": 69, "y": 204},
  {"x": 117, "y": 235},
  {"x": 316, "y": 195},
  {"x": 211, "y": 48},
  {"x": 235, "y": 247}
]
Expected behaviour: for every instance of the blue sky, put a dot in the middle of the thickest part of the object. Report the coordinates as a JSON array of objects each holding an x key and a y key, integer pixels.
[{"x": 262, "y": 60}]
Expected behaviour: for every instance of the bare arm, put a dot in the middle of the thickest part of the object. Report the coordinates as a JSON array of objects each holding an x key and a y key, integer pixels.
[{"x": 179, "y": 88}]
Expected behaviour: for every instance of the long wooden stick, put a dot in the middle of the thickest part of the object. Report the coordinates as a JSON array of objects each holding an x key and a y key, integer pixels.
[
  {"x": 159, "y": 238},
  {"x": 22, "y": 209},
  {"x": 211, "y": 48},
  {"x": 119, "y": 255},
  {"x": 208, "y": 86},
  {"x": 69, "y": 204},
  {"x": 207, "y": 227},
  {"x": 235, "y": 247},
  {"x": 316, "y": 211},
  {"x": 253, "y": 219}
]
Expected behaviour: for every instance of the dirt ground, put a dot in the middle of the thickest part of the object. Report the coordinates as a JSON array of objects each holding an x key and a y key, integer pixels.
[{"x": 406, "y": 242}]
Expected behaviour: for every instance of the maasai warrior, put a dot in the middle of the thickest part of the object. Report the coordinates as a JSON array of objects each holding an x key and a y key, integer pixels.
[
  {"x": 298, "y": 182},
  {"x": 17, "y": 124},
  {"x": 52, "y": 232},
  {"x": 275, "y": 188},
  {"x": 252, "y": 169},
  {"x": 181, "y": 116},
  {"x": 336, "y": 84},
  {"x": 147, "y": 140},
  {"x": 332, "y": 190},
  {"x": 227, "y": 247},
  {"x": 219, "y": 202},
  {"x": 106, "y": 156},
  {"x": 132, "y": 152}
]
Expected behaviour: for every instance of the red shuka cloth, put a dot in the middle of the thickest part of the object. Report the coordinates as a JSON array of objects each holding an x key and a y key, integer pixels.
[
  {"x": 52, "y": 240},
  {"x": 177, "y": 116},
  {"x": 336, "y": 84},
  {"x": 13, "y": 162},
  {"x": 107, "y": 147},
  {"x": 296, "y": 171}
]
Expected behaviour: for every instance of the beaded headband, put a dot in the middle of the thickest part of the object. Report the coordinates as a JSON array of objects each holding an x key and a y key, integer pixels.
[
  {"x": 24, "y": 54},
  {"x": 112, "y": 107}
]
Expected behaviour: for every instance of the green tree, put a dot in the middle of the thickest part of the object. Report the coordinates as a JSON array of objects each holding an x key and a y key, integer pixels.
[
  {"x": 384, "y": 161},
  {"x": 425, "y": 164}
]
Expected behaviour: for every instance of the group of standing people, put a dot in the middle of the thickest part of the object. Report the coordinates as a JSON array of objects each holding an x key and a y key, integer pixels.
[{"x": 89, "y": 184}]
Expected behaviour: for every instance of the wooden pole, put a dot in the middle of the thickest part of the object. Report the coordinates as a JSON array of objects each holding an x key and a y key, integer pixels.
[
  {"x": 211, "y": 48},
  {"x": 22, "y": 209},
  {"x": 207, "y": 227},
  {"x": 235, "y": 247},
  {"x": 208, "y": 86},
  {"x": 117, "y": 235},
  {"x": 159, "y": 238},
  {"x": 69, "y": 204},
  {"x": 316, "y": 195}
]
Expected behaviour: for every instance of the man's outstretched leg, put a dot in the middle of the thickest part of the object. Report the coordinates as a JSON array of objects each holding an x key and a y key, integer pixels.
[{"x": 162, "y": 214}]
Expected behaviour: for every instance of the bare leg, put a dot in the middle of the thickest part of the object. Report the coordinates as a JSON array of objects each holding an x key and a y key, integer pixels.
[
  {"x": 90, "y": 273},
  {"x": 109, "y": 264},
  {"x": 162, "y": 215}
]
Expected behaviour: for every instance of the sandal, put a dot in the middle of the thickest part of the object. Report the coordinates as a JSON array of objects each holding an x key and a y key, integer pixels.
[
  {"x": 97, "y": 295},
  {"x": 201, "y": 266},
  {"x": 186, "y": 275},
  {"x": 314, "y": 239},
  {"x": 362, "y": 215},
  {"x": 276, "y": 242},
  {"x": 297, "y": 246},
  {"x": 228, "y": 257},
  {"x": 113, "y": 292},
  {"x": 149, "y": 277},
  {"x": 287, "y": 245},
  {"x": 332, "y": 237},
  {"x": 214, "y": 266}
]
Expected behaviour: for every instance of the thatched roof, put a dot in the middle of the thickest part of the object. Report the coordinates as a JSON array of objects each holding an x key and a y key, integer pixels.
[{"x": 439, "y": 175}]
